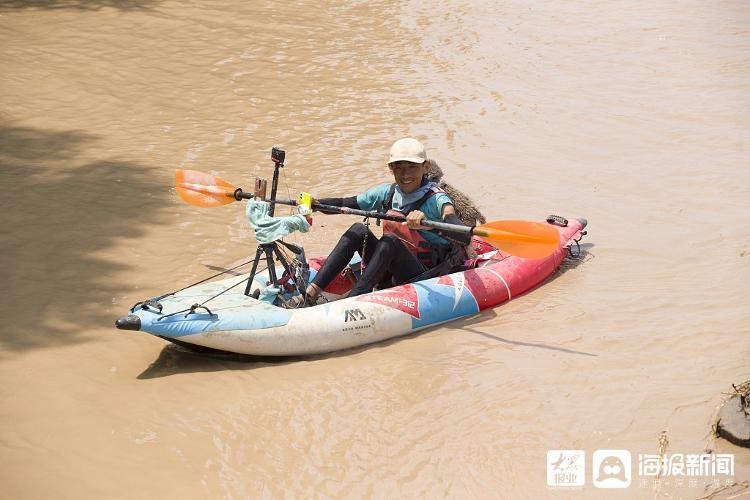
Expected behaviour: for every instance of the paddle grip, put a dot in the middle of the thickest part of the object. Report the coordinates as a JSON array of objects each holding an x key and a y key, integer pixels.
[
  {"x": 239, "y": 194},
  {"x": 444, "y": 226}
]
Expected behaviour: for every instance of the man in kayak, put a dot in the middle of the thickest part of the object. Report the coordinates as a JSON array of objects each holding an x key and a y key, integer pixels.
[{"x": 407, "y": 249}]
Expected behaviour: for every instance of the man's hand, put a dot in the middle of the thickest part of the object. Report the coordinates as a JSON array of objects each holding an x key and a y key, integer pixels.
[
  {"x": 414, "y": 219},
  {"x": 313, "y": 201}
]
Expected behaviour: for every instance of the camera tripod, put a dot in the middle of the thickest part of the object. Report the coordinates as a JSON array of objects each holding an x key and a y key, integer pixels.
[{"x": 271, "y": 250}]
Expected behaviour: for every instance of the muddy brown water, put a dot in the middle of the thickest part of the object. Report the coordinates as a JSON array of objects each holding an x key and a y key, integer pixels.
[{"x": 634, "y": 115}]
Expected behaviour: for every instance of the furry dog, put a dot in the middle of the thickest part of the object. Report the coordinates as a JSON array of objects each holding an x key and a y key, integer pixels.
[{"x": 466, "y": 210}]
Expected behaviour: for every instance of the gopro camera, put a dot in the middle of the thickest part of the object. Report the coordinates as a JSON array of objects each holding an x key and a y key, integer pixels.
[{"x": 278, "y": 155}]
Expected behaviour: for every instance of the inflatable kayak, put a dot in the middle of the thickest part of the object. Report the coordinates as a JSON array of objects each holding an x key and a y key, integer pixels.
[{"x": 236, "y": 321}]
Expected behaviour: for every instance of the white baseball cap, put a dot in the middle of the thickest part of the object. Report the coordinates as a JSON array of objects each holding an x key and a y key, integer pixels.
[{"x": 407, "y": 149}]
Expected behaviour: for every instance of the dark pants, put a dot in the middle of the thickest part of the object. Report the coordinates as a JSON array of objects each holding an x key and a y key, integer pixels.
[{"x": 386, "y": 258}]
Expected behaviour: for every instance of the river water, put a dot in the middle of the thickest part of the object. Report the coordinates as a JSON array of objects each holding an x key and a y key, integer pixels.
[{"x": 632, "y": 114}]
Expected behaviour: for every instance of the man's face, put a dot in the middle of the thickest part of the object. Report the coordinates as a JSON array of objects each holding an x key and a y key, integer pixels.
[{"x": 408, "y": 175}]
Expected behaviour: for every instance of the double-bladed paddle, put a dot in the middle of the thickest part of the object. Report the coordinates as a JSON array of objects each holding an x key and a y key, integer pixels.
[{"x": 526, "y": 239}]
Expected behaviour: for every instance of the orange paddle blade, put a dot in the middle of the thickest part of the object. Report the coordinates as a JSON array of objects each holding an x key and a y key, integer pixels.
[
  {"x": 203, "y": 190},
  {"x": 529, "y": 240}
]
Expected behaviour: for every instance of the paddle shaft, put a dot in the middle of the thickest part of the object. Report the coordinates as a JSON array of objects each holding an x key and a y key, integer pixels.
[
  {"x": 528, "y": 240},
  {"x": 444, "y": 226}
]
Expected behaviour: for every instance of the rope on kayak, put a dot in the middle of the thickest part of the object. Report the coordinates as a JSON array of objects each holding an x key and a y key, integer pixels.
[
  {"x": 557, "y": 220},
  {"x": 578, "y": 252},
  {"x": 194, "y": 307},
  {"x": 154, "y": 302},
  {"x": 366, "y": 222},
  {"x": 297, "y": 270}
]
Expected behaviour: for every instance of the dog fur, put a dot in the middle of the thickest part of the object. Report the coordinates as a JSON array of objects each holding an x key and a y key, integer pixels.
[{"x": 466, "y": 210}]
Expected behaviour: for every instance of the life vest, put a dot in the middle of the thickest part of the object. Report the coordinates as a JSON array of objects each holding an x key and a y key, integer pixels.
[{"x": 430, "y": 254}]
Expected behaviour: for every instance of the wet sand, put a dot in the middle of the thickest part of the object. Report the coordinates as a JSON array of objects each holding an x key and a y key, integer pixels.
[{"x": 632, "y": 115}]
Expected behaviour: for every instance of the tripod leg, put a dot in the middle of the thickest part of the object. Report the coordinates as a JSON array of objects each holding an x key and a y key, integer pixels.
[
  {"x": 280, "y": 257},
  {"x": 252, "y": 272},
  {"x": 271, "y": 265}
]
